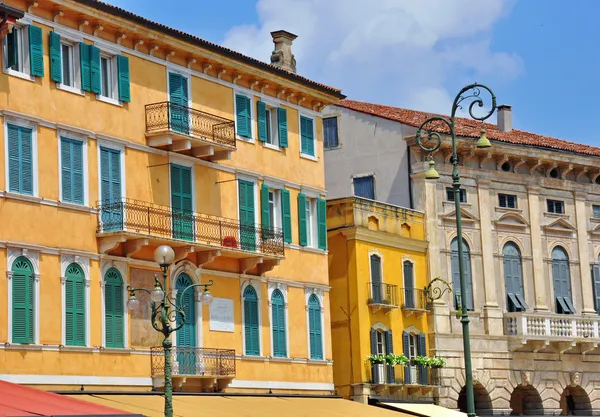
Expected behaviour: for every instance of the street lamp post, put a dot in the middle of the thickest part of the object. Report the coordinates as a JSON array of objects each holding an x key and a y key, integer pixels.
[
  {"x": 167, "y": 316},
  {"x": 438, "y": 126}
]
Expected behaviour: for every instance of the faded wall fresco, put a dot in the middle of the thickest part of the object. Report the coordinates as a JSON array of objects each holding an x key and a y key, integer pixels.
[{"x": 142, "y": 332}]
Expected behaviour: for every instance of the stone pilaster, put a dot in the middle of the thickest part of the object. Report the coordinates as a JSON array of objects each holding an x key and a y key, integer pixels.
[
  {"x": 537, "y": 254},
  {"x": 584, "y": 257}
]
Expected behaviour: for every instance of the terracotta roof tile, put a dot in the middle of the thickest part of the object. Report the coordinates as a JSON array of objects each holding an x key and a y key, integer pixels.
[
  {"x": 109, "y": 8},
  {"x": 471, "y": 128}
]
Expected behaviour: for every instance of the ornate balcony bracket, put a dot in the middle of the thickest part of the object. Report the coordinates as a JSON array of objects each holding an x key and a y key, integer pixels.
[
  {"x": 109, "y": 243},
  {"x": 587, "y": 347},
  {"x": 386, "y": 308},
  {"x": 565, "y": 346},
  {"x": 203, "y": 258},
  {"x": 249, "y": 263},
  {"x": 182, "y": 252},
  {"x": 133, "y": 246},
  {"x": 267, "y": 266}
]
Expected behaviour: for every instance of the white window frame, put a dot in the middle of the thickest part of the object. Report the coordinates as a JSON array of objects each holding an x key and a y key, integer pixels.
[
  {"x": 188, "y": 76},
  {"x": 86, "y": 186},
  {"x": 84, "y": 263},
  {"x": 256, "y": 285},
  {"x": 183, "y": 163},
  {"x": 337, "y": 117},
  {"x": 256, "y": 192},
  {"x": 188, "y": 268},
  {"x": 121, "y": 148},
  {"x": 114, "y": 81},
  {"x": 412, "y": 345},
  {"x": 76, "y": 66},
  {"x": 273, "y": 127},
  {"x": 34, "y": 152},
  {"x": 312, "y": 227},
  {"x": 33, "y": 257},
  {"x": 276, "y": 214},
  {"x": 23, "y": 51},
  {"x": 122, "y": 268},
  {"x": 252, "y": 138},
  {"x": 319, "y": 293},
  {"x": 379, "y": 333},
  {"x": 284, "y": 291},
  {"x": 314, "y": 125}
]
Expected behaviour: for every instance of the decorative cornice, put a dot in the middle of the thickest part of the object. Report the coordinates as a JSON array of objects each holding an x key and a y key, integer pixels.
[{"x": 387, "y": 239}]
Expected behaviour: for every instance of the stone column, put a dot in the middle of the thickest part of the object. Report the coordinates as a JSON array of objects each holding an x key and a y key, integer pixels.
[
  {"x": 537, "y": 253},
  {"x": 581, "y": 218}
]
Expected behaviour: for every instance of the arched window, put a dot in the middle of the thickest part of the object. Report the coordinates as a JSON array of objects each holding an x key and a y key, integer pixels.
[
  {"x": 382, "y": 343},
  {"x": 22, "y": 301},
  {"x": 513, "y": 278},
  {"x": 409, "y": 285},
  {"x": 113, "y": 309},
  {"x": 561, "y": 279},
  {"x": 376, "y": 284},
  {"x": 251, "y": 333},
  {"x": 75, "y": 306},
  {"x": 186, "y": 335},
  {"x": 278, "y": 324},
  {"x": 314, "y": 327},
  {"x": 456, "y": 274}
]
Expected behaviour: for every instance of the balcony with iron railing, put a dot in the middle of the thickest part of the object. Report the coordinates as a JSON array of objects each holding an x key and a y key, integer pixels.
[
  {"x": 382, "y": 296},
  {"x": 412, "y": 377},
  {"x": 125, "y": 226},
  {"x": 211, "y": 366},
  {"x": 189, "y": 131},
  {"x": 413, "y": 301}
]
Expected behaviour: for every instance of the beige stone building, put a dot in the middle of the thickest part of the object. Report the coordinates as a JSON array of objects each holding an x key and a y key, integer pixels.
[{"x": 531, "y": 224}]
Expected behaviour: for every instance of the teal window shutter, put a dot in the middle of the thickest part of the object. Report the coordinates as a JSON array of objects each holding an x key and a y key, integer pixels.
[
  {"x": 181, "y": 202},
  {"x": 55, "y": 58},
  {"x": 113, "y": 309},
  {"x": 307, "y": 142},
  {"x": 261, "y": 111},
  {"x": 186, "y": 335},
  {"x": 264, "y": 203},
  {"x": 36, "y": 51},
  {"x": 22, "y": 301},
  {"x": 72, "y": 171},
  {"x": 251, "y": 321},
  {"x": 406, "y": 350},
  {"x": 278, "y": 324},
  {"x": 422, "y": 351},
  {"x": 86, "y": 71},
  {"x": 283, "y": 130},
  {"x": 20, "y": 160},
  {"x": 322, "y": 223},
  {"x": 242, "y": 116},
  {"x": 95, "y": 70},
  {"x": 389, "y": 348},
  {"x": 246, "y": 213},
  {"x": 75, "y": 306},
  {"x": 302, "y": 224},
  {"x": 315, "y": 331},
  {"x": 286, "y": 216},
  {"x": 12, "y": 50},
  {"x": 124, "y": 87}
]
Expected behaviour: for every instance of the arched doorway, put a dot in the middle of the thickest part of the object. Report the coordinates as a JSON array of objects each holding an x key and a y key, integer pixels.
[
  {"x": 526, "y": 400},
  {"x": 574, "y": 401},
  {"x": 186, "y": 335},
  {"x": 483, "y": 402}
]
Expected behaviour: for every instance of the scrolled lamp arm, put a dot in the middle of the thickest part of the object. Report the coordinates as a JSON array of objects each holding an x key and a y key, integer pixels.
[
  {"x": 432, "y": 135},
  {"x": 474, "y": 91},
  {"x": 179, "y": 309},
  {"x": 435, "y": 293}
]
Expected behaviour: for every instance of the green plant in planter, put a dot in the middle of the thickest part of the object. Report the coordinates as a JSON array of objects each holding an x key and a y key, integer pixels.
[
  {"x": 402, "y": 360},
  {"x": 437, "y": 362},
  {"x": 421, "y": 360},
  {"x": 376, "y": 359},
  {"x": 390, "y": 359}
]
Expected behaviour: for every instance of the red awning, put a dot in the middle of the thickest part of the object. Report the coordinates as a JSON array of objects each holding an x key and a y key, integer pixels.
[{"x": 20, "y": 401}]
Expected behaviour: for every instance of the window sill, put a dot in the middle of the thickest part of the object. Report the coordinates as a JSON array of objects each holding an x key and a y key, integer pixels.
[
  {"x": 109, "y": 100},
  {"x": 75, "y": 206},
  {"x": 509, "y": 209},
  {"x": 279, "y": 359},
  {"x": 253, "y": 358},
  {"x": 310, "y": 157},
  {"x": 333, "y": 148},
  {"x": 18, "y": 346},
  {"x": 452, "y": 203},
  {"x": 69, "y": 89},
  {"x": 245, "y": 139},
  {"x": 306, "y": 248},
  {"x": 19, "y": 74},
  {"x": 76, "y": 349},
  {"x": 272, "y": 147},
  {"x": 22, "y": 197},
  {"x": 556, "y": 215},
  {"x": 319, "y": 362},
  {"x": 115, "y": 350},
  {"x": 595, "y": 219}
]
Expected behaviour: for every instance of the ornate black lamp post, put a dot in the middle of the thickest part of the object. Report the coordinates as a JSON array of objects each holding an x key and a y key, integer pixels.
[
  {"x": 167, "y": 316},
  {"x": 438, "y": 126}
]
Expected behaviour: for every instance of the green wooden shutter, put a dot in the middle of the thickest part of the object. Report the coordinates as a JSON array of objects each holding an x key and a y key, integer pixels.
[
  {"x": 246, "y": 214},
  {"x": 110, "y": 189},
  {"x": 66, "y": 169},
  {"x": 302, "y": 224},
  {"x": 264, "y": 203},
  {"x": 75, "y": 306},
  {"x": 422, "y": 351},
  {"x": 178, "y": 106},
  {"x": 409, "y": 289},
  {"x": 181, "y": 202},
  {"x": 26, "y": 161},
  {"x": 22, "y": 301},
  {"x": 242, "y": 116},
  {"x": 123, "y": 70},
  {"x": 283, "y": 129},
  {"x": 12, "y": 50},
  {"x": 186, "y": 335},
  {"x": 86, "y": 71},
  {"x": 251, "y": 321},
  {"x": 406, "y": 351},
  {"x": 20, "y": 160},
  {"x": 286, "y": 216},
  {"x": 36, "y": 51},
  {"x": 310, "y": 138},
  {"x": 96, "y": 80},
  {"x": 373, "y": 338},
  {"x": 389, "y": 348},
  {"x": 55, "y": 58},
  {"x": 113, "y": 309},
  {"x": 279, "y": 330},
  {"x": 315, "y": 331},
  {"x": 261, "y": 110},
  {"x": 72, "y": 171},
  {"x": 322, "y": 223}
]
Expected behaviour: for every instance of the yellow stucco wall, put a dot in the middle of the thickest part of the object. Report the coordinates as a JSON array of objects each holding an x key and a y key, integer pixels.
[{"x": 53, "y": 230}]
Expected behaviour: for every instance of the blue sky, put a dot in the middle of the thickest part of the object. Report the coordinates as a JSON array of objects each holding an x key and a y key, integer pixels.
[{"x": 539, "y": 56}]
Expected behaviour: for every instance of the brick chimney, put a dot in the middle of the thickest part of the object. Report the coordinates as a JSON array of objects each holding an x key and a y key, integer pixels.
[
  {"x": 282, "y": 56},
  {"x": 504, "y": 118}
]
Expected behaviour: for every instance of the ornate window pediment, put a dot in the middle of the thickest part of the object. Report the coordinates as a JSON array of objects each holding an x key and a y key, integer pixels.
[
  {"x": 561, "y": 226},
  {"x": 467, "y": 216},
  {"x": 511, "y": 221}
]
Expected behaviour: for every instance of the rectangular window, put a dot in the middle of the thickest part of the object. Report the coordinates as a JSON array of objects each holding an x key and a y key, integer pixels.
[
  {"x": 507, "y": 201},
  {"x": 596, "y": 211},
  {"x": 380, "y": 342},
  {"x": 310, "y": 232},
  {"x": 450, "y": 194},
  {"x": 16, "y": 50},
  {"x": 330, "y": 132},
  {"x": 20, "y": 159},
  {"x": 272, "y": 128},
  {"x": 67, "y": 64},
  {"x": 72, "y": 175},
  {"x": 271, "y": 211},
  {"x": 364, "y": 187},
  {"x": 556, "y": 206},
  {"x": 107, "y": 76},
  {"x": 307, "y": 136}
]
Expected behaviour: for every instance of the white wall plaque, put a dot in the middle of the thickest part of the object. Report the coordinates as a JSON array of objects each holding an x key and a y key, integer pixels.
[{"x": 221, "y": 315}]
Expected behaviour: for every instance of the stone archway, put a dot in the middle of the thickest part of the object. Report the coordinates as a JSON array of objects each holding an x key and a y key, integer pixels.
[
  {"x": 526, "y": 400},
  {"x": 574, "y": 401},
  {"x": 483, "y": 402}
]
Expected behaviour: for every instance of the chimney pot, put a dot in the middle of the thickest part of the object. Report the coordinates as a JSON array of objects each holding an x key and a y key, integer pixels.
[
  {"x": 282, "y": 56},
  {"x": 504, "y": 118}
]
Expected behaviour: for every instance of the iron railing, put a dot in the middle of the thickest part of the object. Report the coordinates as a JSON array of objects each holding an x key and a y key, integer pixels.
[
  {"x": 152, "y": 220},
  {"x": 385, "y": 294},
  {"x": 187, "y": 360},
  {"x": 405, "y": 375},
  {"x": 413, "y": 299},
  {"x": 167, "y": 116}
]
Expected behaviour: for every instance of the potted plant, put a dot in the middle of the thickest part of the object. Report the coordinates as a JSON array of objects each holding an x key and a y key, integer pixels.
[
  {"x": 377, "y": 368},
  {"x": 420, "y": 360},
  {"x": 437, "y": 362},
  {"x": 402, "y": 360}
]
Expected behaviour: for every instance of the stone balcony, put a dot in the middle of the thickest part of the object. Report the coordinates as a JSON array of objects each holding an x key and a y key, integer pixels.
[{"x": 558, "y": 332}]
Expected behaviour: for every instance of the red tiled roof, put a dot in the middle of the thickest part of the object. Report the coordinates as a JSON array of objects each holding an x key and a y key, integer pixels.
[
  {"x": 471, "y": 128},
  {"x": 109, "y": 8}
]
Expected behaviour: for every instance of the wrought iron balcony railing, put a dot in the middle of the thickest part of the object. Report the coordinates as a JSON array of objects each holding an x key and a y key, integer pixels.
[
  {"x": 147, "y": 219},
  {"x": 383, "y": 294},
  {"x": 405, "y": 375},
  {"x": 193, "y": 361},
  {"x": 413, "y": 299},
  {"x": 167, "y": 116}
]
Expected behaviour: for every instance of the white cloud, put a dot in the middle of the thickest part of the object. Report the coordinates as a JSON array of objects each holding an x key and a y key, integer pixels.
[{"x": 397, "y": 52}]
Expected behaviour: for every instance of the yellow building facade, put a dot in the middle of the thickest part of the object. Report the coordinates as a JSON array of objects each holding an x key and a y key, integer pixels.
[
  {"x": 120, "y": 135},
  {"x": 378, "y": 275}
]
